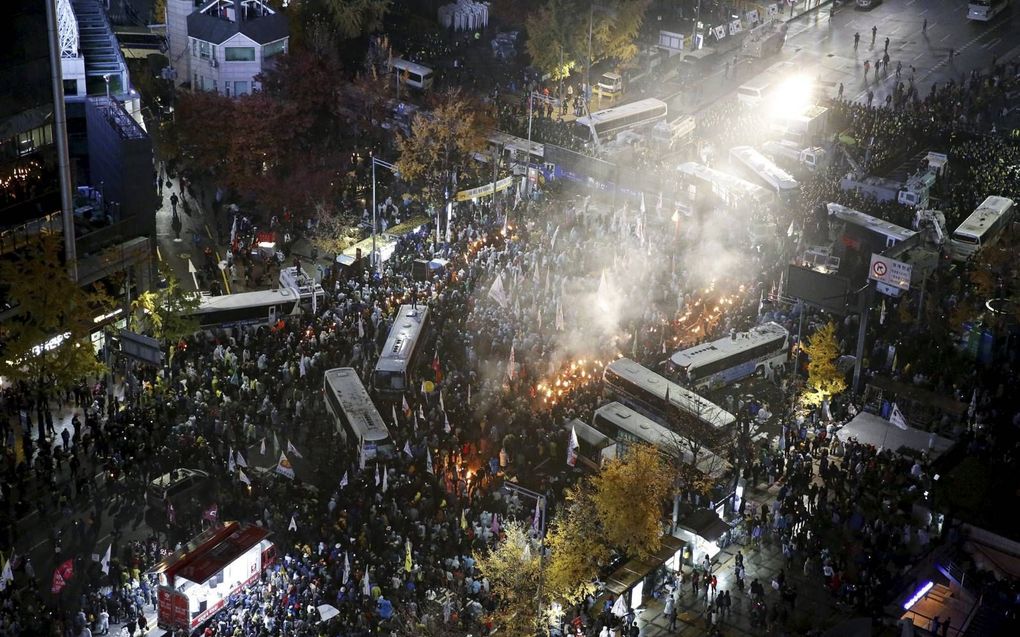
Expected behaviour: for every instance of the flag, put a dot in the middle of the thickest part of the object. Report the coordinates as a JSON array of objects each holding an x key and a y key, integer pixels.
[
  {"x": 343, "y": 480},
  {"x": 463, "y": 519},
  {"x": 668, "y": 404},
  {"x": 446, "y": 423},
  {"x": 405, "y": 406},
  {"x": 291, "y": 449},
  {"x": 361, "y": 456},
  {"x": 231, "y": 467},
  {"x": 241, "y": 462},
  {"x": 366, "y": 586},
  {"x": 428, "y": 462},
  {"x": 276, "y": 443},
  {"x": 62, "y": 575},
  {"x": 603, "y": 292},
  {"x": 572, "y": 448},
  {"x": 407, "y": 448},
  {"x": 361, "y": 328},
  {"x": 896, "y": 417},
  {"x": 385, "y": 477},
  {"x": 511, "y": 365},
  {"x": 262, "y": 450},
  {"x": 972, "y": 409},
  {"x": 284, "y": 467},
  {"x": 560, "y": 323},
  {"x": 642, "y": 202},
  {"x": 244, "y": 479},
  {"x": 495, "y": 524},
  {"x": 536, "y": 520},
  {"x": 436, "y": 367},
  {"x": 212, "y": 513},
  {"x": 293, "y": 524},
  {"x": 789, "y": 231},
  {"x": 552, "y": 245},
  {"x": 497, "y": 293},
  {"x": 394, "y": 414},
  {"x": 407, "y": 556},
  {"x": 347, "y": 568},
  {"x": 442, "y": 404},
  {"x": 620, "y": 606},
  {"x": 377, "y": 479},
  {"x": 881, "y": 315},
  {"x": 7, "y": 576},
  {"x": 414, "y": 423}
]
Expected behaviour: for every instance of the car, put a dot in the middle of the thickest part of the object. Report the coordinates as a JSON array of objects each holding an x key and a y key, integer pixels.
[
  {"x": 867, "y": 5},
  {"x": 178, "y": 484}
]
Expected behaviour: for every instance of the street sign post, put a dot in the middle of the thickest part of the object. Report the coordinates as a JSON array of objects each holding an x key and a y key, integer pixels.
[{"x": 889, "y": 273}]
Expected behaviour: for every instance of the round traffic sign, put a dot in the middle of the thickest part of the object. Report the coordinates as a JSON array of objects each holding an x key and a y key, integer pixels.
[{"x": 879, "y": 268}]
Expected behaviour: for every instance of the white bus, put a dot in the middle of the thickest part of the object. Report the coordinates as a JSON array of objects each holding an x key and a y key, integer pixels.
[
  {"x": 311, "y": 293},
  {"x": 649, "y": 393},
  {"x": 518, "y": 151},
  {"x": 727, "y": 360},
  {"x": 605, "y": 124},
  {"x": 627, "y": 427},
  {"x": 395, "y": 370},
  {"x": 982, "y": 227},
  {"x": 985, "y": 10},
  {"x": 850, "y": 226},
  {"x": 354, "y": 414},
  {"x": 777, "y": 178},
  {"x": 731, "y": 190},
  {"x": 412, "y": 74},
  {"x": 265, "y": 307}
]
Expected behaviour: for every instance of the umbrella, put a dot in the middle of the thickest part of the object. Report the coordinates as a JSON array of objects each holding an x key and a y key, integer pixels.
[{"x": 327, "y": 612}]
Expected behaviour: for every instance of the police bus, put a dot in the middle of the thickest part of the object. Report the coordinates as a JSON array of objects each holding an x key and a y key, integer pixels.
[
  {"x": 605, "y": 124},
  {"x": 727, "y": 360},
  {"x": 264, "y": 307},
  {"x": 730, "y": 189},
  {"x": 395, "y": 370},
  {"x": 982, "y": 227},
  {"x": 762, "y": 167},
  {"x": 646, "y": 392},
  {"x": 628, "y": 427},
  {"x": 354, "y": 414}
]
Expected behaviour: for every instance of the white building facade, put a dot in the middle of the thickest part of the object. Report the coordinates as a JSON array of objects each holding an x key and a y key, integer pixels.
[{"x": 224, "y": 44}]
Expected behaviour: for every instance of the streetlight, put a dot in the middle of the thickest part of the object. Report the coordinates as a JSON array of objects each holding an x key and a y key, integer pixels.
[{"x": 387, "y": 165}]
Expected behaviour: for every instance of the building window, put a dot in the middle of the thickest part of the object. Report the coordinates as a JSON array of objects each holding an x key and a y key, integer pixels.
[
  {"x": 274, "y": 48},
  {"x": 70, "y": 87},
  {"x": 241, "y": 88},
  {"x": 195, "y": 83},
  {"x": 204, "y": 50},
  {"x": 240, "y": 54}
]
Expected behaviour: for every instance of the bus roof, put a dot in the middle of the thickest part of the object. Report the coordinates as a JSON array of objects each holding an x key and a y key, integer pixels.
[
  {"x": 403, "y": 336},
  {"x": 880, "y": 226},
  {"x": 720, "y": 348},
  {"x": 984, "y": 216},
  {"x": 624, "y": 110},
  {"x": 679, "y": 397},
  {"x": 414, "y": 67},
  {"x": 244, "y": 299},
  {"x": 767, "y": 170},
  {"x": 652, "y": 432},
  {"x": 507, "y": 140},
  {"x": 352, "y": 396}
]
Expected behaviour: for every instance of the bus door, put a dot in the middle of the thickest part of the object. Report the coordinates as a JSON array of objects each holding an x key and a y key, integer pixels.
[{"x": 272, "y": 315}]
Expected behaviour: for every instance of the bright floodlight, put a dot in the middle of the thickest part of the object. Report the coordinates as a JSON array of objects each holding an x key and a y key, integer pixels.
[{"x": 793, "y": 96}]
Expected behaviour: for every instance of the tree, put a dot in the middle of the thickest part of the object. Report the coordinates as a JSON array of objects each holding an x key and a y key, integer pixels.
[
  {"x": 47, "y": 342},
  {"x": 628, "y": 495},
  {"x": 354, "y": 18},
  {"x": 442, "y": 143},
  {"x": 514, "y": 571},
  {"x": 824, "y": 379},
  {"x": 335, "y": 230},
  {"x": 576, "y": 547},
  {"x": 204, "y": 130},
  {"x": 166, "y": 314}
]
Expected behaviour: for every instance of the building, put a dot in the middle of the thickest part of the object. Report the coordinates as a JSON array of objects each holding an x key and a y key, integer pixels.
[
  {"x": 223, "y": 45},
  {"x": 112, "y": 202}
]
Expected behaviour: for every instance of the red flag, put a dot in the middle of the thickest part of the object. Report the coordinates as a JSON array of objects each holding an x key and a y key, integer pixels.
[
  {"x": 61, "y": 576},
  {"x": 437, "y": 368}
]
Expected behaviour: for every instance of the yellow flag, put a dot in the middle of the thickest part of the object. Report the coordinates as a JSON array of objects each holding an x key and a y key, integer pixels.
[
  {"x": 19, "y": 450},
  {"x": 407, "y": 556},
  {"x": 463, "y": 519}
]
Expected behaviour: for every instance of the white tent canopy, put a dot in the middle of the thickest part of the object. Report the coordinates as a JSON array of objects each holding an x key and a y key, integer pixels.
[{"x": 879, "y": 432}]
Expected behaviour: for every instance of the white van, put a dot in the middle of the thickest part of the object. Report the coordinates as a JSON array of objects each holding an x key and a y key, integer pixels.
[
  {"x": 412, "y": 74},
  {"x": 611, "y": 85},
  {"x": 754, "y": 92}
]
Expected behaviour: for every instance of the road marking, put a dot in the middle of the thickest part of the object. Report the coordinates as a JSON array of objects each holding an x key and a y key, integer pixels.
[
  {"x": 991, "y": 43},
  {"x": 918, "y": 57},
  {"x": 946, "y": 37}
]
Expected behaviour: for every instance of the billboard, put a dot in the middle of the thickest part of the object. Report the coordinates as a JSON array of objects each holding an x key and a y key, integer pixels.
[{"x": 827, "y": 292}]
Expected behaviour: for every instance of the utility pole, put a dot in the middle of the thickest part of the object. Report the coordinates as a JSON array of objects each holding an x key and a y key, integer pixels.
[
  {"x": 387, "y": 165},
  {"x": 587, "y": 73},
  {"x": 864, "y": 309},
  {"x": 60, "y": 136}
]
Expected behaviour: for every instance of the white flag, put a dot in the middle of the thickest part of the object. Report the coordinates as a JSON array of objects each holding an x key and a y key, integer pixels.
[
  {"x": 642, "y": 202},
  {"x": 385, "y": 477},
  {"x": 428, "y": 462},
  {"x": 469, "y": 394},
  {"x": 497, "y": 293},
  {"x": 241, "y": 462},
  {"x": 446, "y": 423},
  {"x": 896, "y": 417},
  {"x": 511, "y": 366},
  {"x": 572, "y": 448},
  {"x": 262, "y": 450},
  {"x": 361, "y": 456},
  {"x": 366, "y": 587},
  {"x": 105, "y": 562},
  {"x": 343, "y": 480},
  {"x": 284, "y": 467},
  {"x": 972, "y": 409},
  {"x": 361, "y": 328},
  {"x": 293, "y": 524},
  {"x": 536, "y": 520},
  {"x": 881, "y": 315},
  {"x": 231, "y": 467},
  {"x": 347, "y": 568},
  {"x": 276, "y": 443},
  {"x": 293, "y": 450},
  {"x": 442, "y": 405},
  {"x": 243, "y": 478},
  {"x": 7, "y": 576},
  {"x": 377, "y": 480},
  {"x": 407, "y": 448},
  {"x": 603, "y": 293}
]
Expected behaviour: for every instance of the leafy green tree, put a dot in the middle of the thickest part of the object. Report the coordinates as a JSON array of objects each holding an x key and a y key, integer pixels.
[
  {"x": 165, "y": 314},
  {"x": 354, "y": 18},
  {"x": 46, "y": 343},
  {"x": 824, "y": 378}
]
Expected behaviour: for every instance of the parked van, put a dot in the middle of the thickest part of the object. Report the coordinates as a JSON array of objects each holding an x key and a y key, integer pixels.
[
  {"x": 412, "y": 74},
  {"x": 611, "y": 85},
  {"x": 178, "y": 484}
]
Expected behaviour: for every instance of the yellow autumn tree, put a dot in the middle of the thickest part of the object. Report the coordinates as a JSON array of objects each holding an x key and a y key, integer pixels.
[
  {"x": 514, "y": 570},
  {"x": 576, "y": 545},
  {"x": 824, "y": 379},
  {"x": 628, "y": 496}
]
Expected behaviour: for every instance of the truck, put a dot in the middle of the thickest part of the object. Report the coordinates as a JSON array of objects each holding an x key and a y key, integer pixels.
[
  {"x": 764, "y": 169},
  {"x": 806, "y": 128},
  {"x": 793, "y": 155}
]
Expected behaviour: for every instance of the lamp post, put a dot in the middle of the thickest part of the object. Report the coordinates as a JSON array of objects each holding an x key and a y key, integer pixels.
[{"x": 387, "y": 165}]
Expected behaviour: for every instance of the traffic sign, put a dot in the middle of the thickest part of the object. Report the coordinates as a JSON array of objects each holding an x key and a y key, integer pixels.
[{"x": 890, "y": 272}]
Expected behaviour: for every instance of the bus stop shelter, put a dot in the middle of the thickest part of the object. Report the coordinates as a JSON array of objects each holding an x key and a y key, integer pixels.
[{"x": 636, "y": 578}]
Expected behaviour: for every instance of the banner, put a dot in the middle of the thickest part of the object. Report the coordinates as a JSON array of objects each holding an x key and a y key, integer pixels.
[
  {"x": 572, "y": 448},
  {"x": 61, "y": 576},
  {"x": 284, "y": 467},
  {"x": 484, "y": 191}
]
